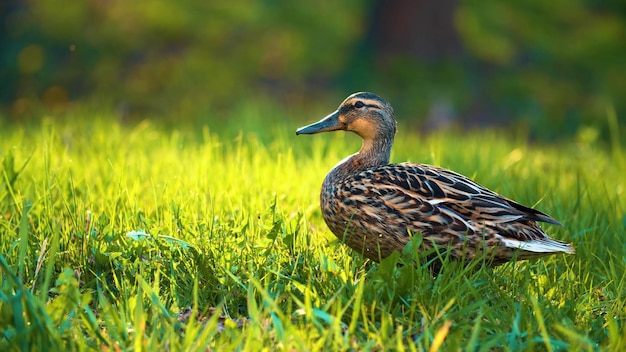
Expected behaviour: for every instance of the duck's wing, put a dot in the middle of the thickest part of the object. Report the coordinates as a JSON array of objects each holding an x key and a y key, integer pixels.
[
  {"x": 444, "y": 206},
  {"x": 460, "y": 194}
]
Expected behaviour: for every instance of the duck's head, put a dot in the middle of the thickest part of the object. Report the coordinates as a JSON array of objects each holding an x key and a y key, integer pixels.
[{"x": 363, "y": 113}]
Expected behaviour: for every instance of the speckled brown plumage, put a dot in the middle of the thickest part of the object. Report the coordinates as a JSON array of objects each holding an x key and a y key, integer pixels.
[{"x": 375, "y": 207}]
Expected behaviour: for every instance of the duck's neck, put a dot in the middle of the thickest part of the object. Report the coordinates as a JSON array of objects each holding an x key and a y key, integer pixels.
[{"x": 374, "y": 152}]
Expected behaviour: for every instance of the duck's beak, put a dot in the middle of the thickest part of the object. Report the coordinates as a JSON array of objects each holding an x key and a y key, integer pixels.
[{"x": 328, "y": 123}]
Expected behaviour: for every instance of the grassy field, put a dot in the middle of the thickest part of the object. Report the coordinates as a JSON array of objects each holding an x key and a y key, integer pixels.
[{"x": 116, "y": 237}]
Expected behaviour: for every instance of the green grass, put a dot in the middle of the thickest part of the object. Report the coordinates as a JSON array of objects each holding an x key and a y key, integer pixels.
[{"x": 126, "y": 238}]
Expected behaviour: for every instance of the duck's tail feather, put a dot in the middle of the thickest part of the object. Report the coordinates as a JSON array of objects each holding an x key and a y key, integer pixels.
[{"x": 544, "y": 245}]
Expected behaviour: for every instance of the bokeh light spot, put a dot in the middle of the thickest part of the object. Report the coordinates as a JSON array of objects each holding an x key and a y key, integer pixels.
[
  {"x": 55, "y": 99},
  {"x": 30, "y": 59},
  {"x": 22, "y": 106}
]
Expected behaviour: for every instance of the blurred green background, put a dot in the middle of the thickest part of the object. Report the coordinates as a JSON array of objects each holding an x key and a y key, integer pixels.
[{"x": 553, "y": 68}]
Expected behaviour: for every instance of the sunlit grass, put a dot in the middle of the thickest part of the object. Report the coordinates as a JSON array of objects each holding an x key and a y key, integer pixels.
[{"x": 109, "y": 232}]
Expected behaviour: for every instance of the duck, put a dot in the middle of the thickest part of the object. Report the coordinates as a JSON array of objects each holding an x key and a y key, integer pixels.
[{"x": 376, "y": 207}]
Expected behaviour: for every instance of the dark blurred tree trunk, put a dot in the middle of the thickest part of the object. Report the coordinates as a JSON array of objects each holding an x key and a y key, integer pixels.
[
  {"x": 419, "y": 33},
  {"x": 6, "y": 7},
  {"x": 422, "y": 29}
]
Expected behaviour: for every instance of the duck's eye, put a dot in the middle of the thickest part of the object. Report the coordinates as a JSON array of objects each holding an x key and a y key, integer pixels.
[{"x": 359, "y": 104}]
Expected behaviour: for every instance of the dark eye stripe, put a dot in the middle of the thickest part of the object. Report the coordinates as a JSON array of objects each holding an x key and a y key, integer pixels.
[{"x": 359, "y": 103}]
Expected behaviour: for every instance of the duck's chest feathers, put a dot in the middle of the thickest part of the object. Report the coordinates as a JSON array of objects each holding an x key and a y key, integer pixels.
[
  {"x": 339, "y": 200},
  {"x": 355, "y": 213}
]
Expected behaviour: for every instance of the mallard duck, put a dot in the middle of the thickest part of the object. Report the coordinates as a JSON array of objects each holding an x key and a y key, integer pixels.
[{"x": 375, "y": 207}]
